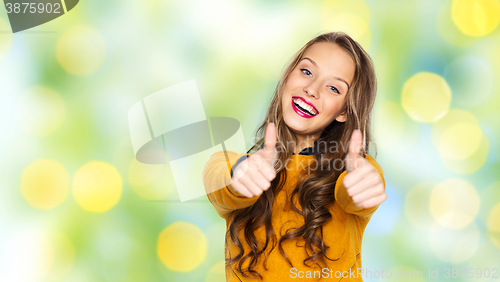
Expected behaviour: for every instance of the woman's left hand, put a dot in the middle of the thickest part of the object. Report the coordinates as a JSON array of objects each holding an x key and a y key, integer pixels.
[{"x": 363, "y": 182}]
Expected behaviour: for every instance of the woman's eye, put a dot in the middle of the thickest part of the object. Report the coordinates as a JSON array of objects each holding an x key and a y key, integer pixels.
[
  {"x": 305, "y": 70},
  {"x": 334, "y": 89}
]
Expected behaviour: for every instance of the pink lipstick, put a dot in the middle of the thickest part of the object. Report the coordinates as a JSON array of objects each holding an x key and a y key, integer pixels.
[{"x": 303, "y": 108}]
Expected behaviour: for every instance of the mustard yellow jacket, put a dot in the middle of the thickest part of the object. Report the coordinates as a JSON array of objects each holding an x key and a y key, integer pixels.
[{"x": 343, "y": 232}]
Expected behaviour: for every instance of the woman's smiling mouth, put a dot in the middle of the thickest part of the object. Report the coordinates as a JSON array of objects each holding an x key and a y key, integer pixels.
[{"x": 302, "y": 108}]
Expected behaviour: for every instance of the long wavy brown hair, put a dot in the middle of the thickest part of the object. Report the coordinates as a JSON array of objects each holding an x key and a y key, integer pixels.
[{"x": 315, "y": 191}]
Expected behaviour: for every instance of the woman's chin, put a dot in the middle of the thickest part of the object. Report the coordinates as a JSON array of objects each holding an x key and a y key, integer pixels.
[{"x": 298, "y": 125}]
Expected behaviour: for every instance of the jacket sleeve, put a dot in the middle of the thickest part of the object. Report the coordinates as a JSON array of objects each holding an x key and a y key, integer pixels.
[
  {"x": 242, "y": 158},
  {"x": 217, "y": 179},
  {"x": 346, "y": 202}
]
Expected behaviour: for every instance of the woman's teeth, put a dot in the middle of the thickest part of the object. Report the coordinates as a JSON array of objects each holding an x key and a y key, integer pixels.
[{"x": 310, "y": 110}]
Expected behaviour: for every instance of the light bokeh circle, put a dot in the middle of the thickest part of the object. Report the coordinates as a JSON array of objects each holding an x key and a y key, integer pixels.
[
  {"x": 182, "y": 246},
  {"x": 460, "y": 141},
  {"x": 216, "y": 273},
  {"x": 426, "y": 97},
  {"x": 34, "y": 254},
  {"x": 454, "y": 203},
  {"x": 454, "y": 246},
  {"x": 473, "y": 163},
  {"x": 81, "y": 50},
  {"x": 25, "y": 256},
  {"x": 483, "y": 261},
  {"x": 45, "y": 184},
  {"x": 97, "y": 186},
  {"x": 448, "y": 29},
  {"x": 41, "y": 111},
  {"x": 476, "y": 18},
  {"x": 493, "y": 225},
  {"x": 352, "y": 24},
  {"x": 351, "y": 17},
  {"x": 490, "y": 197},
  {"x": 453, "y": 117},
  {"x": 358, "y": 7},
  {"x": 59, "y": 257}
]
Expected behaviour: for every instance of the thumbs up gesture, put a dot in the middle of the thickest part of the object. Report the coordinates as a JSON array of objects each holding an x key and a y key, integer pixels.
[
  {"x": 254, "y": 175},
  {"x": 364, "y": 184}
]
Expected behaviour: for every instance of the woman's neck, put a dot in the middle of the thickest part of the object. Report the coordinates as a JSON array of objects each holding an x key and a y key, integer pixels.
[{"x": 303, "y": 142}]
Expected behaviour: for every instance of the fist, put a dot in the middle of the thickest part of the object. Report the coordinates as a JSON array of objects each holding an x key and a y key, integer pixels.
[
  {"x": 254, "y": 175},
  {"x": 364, "y": 183}
]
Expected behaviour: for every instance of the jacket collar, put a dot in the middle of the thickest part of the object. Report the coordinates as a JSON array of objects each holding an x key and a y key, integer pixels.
[{"x": 307, "y": 151}]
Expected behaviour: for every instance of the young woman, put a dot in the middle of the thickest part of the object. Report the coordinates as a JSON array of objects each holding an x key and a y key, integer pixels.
[{"x": 296, "y": 205}]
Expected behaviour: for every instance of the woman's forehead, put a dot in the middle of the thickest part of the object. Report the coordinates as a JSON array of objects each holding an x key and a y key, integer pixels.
[{"x": 327, "y": 51}]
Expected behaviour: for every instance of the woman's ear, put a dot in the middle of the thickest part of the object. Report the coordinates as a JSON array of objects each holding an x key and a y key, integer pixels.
[{"x": 342, "y": 117}]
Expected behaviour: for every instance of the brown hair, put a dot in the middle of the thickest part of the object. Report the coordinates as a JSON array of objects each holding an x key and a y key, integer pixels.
[{"x": 315, "y": 191}]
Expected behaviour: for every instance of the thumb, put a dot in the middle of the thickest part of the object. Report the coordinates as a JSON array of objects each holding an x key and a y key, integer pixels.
[
  {"x": 355, "y": 145},
  {"x": 270, "y": 153}
]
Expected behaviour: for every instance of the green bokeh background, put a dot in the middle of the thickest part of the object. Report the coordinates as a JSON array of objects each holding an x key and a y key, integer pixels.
[{"x": 236, "y": 51}]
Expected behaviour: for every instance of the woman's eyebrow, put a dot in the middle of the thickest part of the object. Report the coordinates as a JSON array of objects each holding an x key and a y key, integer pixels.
[{"x": 338, "y": 78}]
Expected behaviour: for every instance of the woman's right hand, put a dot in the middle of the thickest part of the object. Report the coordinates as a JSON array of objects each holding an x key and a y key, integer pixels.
[{"x": 254, "y": 175}]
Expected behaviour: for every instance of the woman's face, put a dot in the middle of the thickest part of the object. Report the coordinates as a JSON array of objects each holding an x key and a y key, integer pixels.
[{"x": 319, "y": 83}]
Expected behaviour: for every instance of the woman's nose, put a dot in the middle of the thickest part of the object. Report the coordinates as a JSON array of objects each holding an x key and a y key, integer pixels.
[{"x": 311, "y": 91}]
